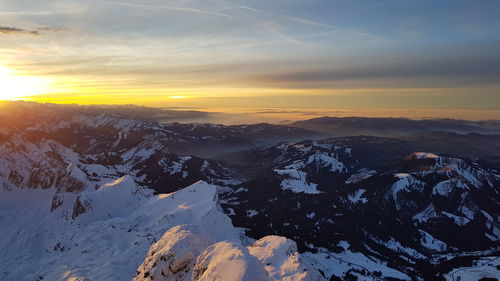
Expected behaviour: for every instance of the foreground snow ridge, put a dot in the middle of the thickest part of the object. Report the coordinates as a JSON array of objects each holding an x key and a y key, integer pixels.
[
  {"x": 105, "y": 233},
  {"x": 109, "y": 237},
  {"x": 188, "y": 253}
]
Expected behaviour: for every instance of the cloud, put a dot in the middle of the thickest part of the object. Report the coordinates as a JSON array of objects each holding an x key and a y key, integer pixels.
[
  {"x": 279, "y": 111},
  {"x": 300, "y": 20},
  {"x": 255, "y": 47},
  {"x": 38, "y": 31},
  {"x": 175, "y": 8},
  {"x": 52, "y": 29},
  {"x": 320, "y": 72},
  {"x": 400, "y": 72},
  {"x": 16, "y": 30}
]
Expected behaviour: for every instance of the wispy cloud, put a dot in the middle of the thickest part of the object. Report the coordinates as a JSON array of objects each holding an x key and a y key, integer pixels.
[
  {"x": 267, "y": 25},
  {"x": 443, "y": 71},
  {"x": 175, "y": 8},
  {"x": 449, "y": 70},
  {"x": 10, "y": 30},
  {"x": 53, "y": 29},
  {"x": 16, "y": 30},
  {"x": 300, "y": 20}
]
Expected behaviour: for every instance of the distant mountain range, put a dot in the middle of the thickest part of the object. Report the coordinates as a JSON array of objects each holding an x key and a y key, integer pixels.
[
  {"x": 110, "y": 193},
  {"x": 387, "y": 127}
]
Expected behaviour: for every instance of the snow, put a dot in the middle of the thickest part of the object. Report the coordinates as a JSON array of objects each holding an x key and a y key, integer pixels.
[
  {"x": 425, "y": 155},
  {"x": 114, "y": 199},
  {"x": 272, "y": 258},
  {"x": 174, "y": 167},
  {"x": 469, "y": 175},
  {"x": 324, "y": 160},
  {"x": 299, "y": 186},
  {"x": 493, "y": 225},
  {"x": 426, "y": 215},
  {"x": 357, "y": 197},
  {"x": 121, "y": 219},
  {"x": 188, "y": 252},
  {"x": 298, "y": 182},
  {"x": 443, "y": 188},
  {"x": 430, "y": 213},
  {"x": 432, "y": 243},
  {"x": 73, "y": 170},
  {"x": 241, "y": 189},
  {"x": 468, "y": 212},
  {"x": 322, "y": 145},
  {"x": 393, "y": 244},
  {"x": 110, "y": 238},
  {"x": 251, "y": 213},
  {"x": 228, "y": 261},
  {"x": 292, "y": 173},
  {"x": 185, "y": 158},
  {"x": 311, "y": 215},
  {"x": 486, "y": 267},
  {"x": 171, "y": 166},
  {"x": 305, "y": 158},
  {"x": 20, "y": 198},
  {"x": 31, "y": 164},
  {"x": 339, "y": 263},
  {"x": 100, "y": 120},
  {"x": 174, "y": 255},
  {"x": 457, "y": 219},
  {"x": 301, "y": 147},
  {"x": 402, "y": 175},
  {"x": 406, "y": 183},
  {"x": 281, "y": 259},
  {"x": 36, "y": 242},
  {"x": 355, "y": 178},
  {"x": 138, "y": 152},
  {"x": 491, "y": 237}
]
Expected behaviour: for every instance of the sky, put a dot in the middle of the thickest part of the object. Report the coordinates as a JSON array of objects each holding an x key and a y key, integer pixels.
[{"x": 395, "y": 58}]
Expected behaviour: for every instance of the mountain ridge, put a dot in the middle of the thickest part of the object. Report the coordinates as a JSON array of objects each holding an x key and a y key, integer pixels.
[{"x": 365, "y": 207}]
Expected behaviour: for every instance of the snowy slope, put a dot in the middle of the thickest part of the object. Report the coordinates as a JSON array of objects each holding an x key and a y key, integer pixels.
[
  {"x": 295, "y": 162},
  {"x": 109, "y": 240},
  {"x": 189, "y": 252},
  {"x": 111, "y": 234},
  {"x": 487, "y": 267}
]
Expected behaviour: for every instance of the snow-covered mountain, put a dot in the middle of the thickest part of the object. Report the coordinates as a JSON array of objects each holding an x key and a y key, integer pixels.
[
  {"x": 80, "y": 127},
  {"x": 107, "y": 145},
  {"x": 416, "y": 214},
  {"x": 189, "y": 252},
  {"x": 109, "y": 240},
  {"x": 42, "y": 162},
  {"x": 91, "y": 195}
]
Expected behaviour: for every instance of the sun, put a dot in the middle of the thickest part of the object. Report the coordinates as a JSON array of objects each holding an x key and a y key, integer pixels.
[{"x": 18, "y": 87}]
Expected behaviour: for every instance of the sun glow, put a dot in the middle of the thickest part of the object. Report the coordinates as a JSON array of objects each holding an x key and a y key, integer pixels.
[{"x": 17, "y": 87}]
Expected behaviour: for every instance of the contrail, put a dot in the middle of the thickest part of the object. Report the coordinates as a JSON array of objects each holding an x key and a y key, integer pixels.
[
  {"x": 300, "y": 20},
  {"x": 191, "y": 10}
]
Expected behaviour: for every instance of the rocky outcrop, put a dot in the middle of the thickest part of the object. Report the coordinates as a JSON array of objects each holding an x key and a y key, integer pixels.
[{"x": 189, "y": 253}]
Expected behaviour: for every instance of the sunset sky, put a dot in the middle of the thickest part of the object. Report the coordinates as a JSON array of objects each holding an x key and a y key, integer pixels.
[{"x": 362, "y": 57}]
